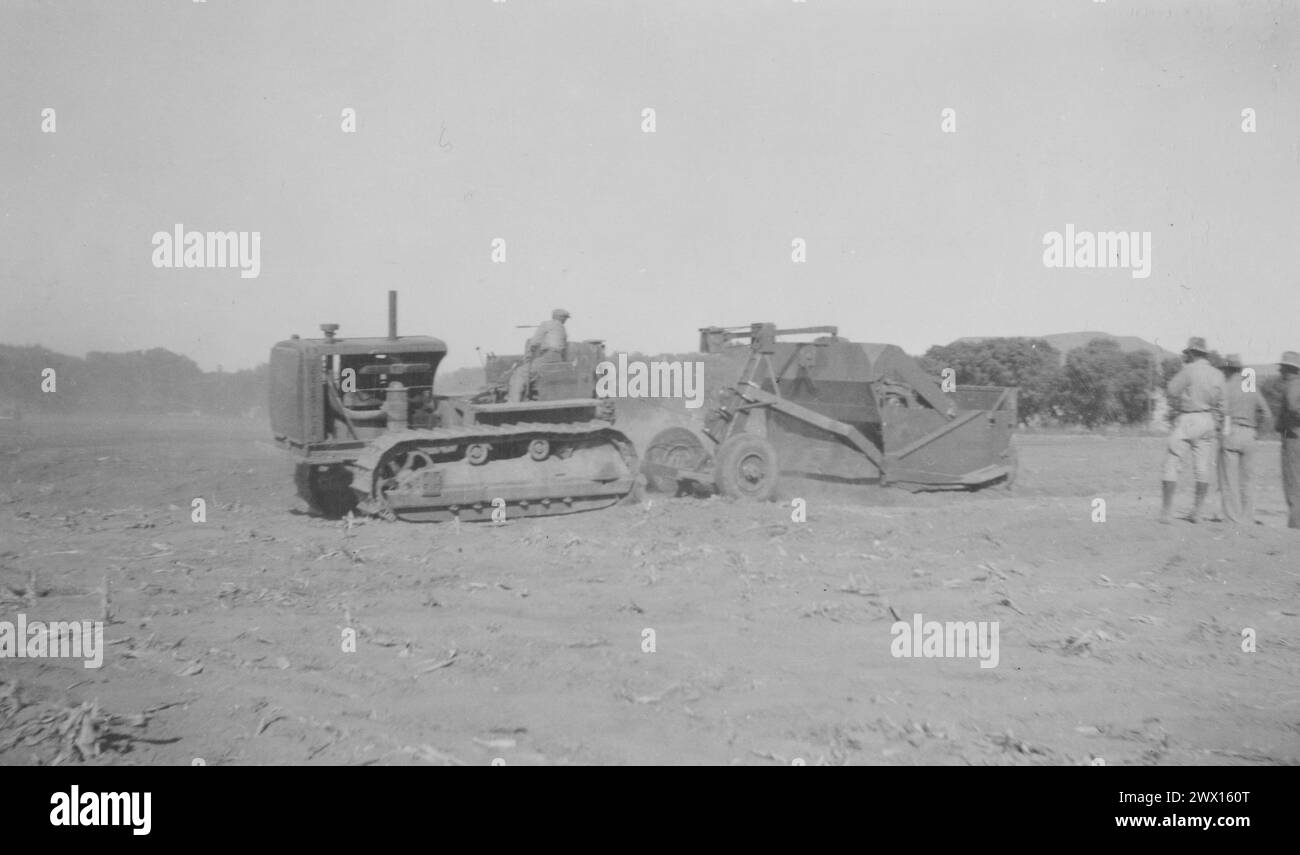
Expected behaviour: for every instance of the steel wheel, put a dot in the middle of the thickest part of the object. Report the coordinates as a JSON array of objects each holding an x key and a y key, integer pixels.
[
  {"x": 397, "y": 468},
  {"x": 676, "y": 447},
  {"x": 746, "y": 468}
]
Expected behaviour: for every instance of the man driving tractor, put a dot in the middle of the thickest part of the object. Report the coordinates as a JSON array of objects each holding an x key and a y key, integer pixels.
[{"x": 548, "y": 343}]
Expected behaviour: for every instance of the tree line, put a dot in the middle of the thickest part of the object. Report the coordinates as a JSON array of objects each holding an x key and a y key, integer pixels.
[
  {"x": 145, "y": 381},
  {"x": 1094, "y": 385}
]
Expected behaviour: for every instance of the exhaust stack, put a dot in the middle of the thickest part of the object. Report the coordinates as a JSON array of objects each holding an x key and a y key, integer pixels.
[{"x": 392, "y": 315}]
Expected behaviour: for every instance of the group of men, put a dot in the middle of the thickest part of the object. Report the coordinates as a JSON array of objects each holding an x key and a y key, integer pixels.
[{"x": 1220, "y": 409}]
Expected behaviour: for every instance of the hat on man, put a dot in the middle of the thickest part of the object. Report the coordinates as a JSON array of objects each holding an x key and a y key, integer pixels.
[
  {"x": 1196, "y": 344},
  {"x": 1290, "y": 359},
  {"x": 560, "y": 314},
  {"x": 1231, "y": 362}
]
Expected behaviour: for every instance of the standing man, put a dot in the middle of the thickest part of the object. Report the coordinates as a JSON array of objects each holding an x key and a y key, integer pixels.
[
  {"x": 1244, "y": 413},
  {"x": 1196, "y": 393},
  {"x": 1288, "y": 425},
  {"x": 549, "y": 343}
]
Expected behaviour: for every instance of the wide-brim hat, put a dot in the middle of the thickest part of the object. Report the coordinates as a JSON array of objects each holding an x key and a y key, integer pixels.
[
  {"x": 1196, "y": 344},
  {"x": 561, "y": 314},
  {"x": 1290, "y": 359}
]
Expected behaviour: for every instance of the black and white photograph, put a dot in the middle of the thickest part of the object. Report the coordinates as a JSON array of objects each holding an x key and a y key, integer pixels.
[{"x": 650, "y": 383}]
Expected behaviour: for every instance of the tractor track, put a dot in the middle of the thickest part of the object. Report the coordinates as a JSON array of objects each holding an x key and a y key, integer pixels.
[{"x": 581, "y": 439}]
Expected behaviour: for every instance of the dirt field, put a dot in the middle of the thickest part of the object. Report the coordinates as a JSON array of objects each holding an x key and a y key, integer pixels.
[{"x": 1119, "y": 640}]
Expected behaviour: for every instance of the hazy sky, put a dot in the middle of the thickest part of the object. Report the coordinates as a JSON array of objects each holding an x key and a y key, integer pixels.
[{"x": 523, "y": 120}]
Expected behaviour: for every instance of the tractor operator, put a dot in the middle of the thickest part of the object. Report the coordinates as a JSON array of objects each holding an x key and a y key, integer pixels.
[{"x": 548, "y": 343}]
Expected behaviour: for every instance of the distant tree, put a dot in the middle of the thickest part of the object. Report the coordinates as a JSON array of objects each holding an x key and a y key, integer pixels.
[
  {"x": 153, "y": 381},
  {"x": 1104, "y": 384},
  {"x": 235, "y": 393},
  {"x": 21, "y": 379},
  {"x": 142, "y": 381},
  {"x": 1135, "y": 386},
  {"x": 1090, "y": 371},
  {"x": 1029, "y": 363}
]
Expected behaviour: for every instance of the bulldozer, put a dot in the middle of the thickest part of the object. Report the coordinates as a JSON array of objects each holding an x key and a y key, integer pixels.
[
  {"x": 371, "y": 435},
  {"x": 834, "y": 410}
]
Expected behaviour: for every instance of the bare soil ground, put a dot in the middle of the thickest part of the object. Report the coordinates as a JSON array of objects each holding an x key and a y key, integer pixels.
[{"x": 1119, "y": 640}]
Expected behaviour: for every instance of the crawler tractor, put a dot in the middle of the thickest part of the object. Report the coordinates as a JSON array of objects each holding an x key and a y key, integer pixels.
[
  {"x": 835, "y": 410},
  {"x": 370, "y": 434}
]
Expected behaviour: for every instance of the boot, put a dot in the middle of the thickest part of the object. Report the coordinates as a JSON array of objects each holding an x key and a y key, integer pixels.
[
  {"x": 1202, "y": 487},
  {"x": 1167, "y": 500}
]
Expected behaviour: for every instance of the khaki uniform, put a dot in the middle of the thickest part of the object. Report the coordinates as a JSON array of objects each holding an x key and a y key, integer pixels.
[
  {"x": 1244, "y": 412},
  {"x": 1197, "y": 393},
  {"x": 547, "y": 344},
  {"x": 549, "y": 336},
  {"x": 1288, "y": 424}
]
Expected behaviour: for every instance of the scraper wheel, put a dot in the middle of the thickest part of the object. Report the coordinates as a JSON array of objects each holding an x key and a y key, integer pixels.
[
  {"x": 677, "y": 447},
  {"x": 746, "y": 468}
]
